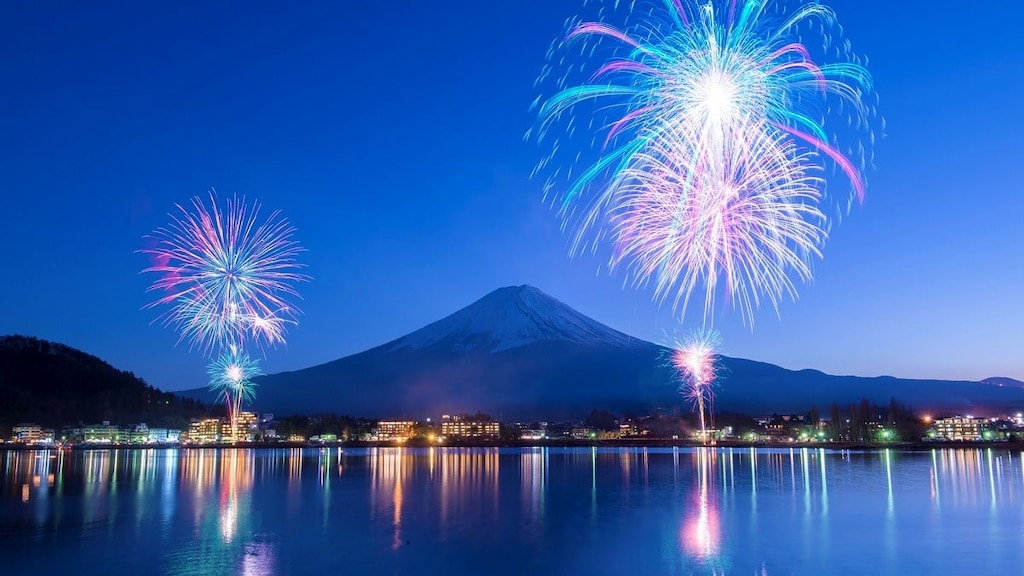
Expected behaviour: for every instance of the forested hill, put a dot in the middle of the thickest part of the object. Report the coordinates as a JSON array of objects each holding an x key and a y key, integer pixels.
[{"x": 52, "y": 384}]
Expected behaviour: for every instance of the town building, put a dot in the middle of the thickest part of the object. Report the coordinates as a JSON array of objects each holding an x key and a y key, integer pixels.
[
  {"x": 628, "y": 430},
  {"x": 164, "y": 436},
  {"x": 394, "y": 430},
  {"x": 205, "y": 431},
  {"x": 245, "y": 426},
  {"x": 469, "y": 427},
  {"x": 138, "y": 434},
  {"x": 702, "y": 436},
  {"x": 32, "y": 434},
  {"x": 104, "y": 433},
  {"x": 583, "y": 433},
  {"x": 528, "y": 434},
  {"x": 957, "y": 429}
]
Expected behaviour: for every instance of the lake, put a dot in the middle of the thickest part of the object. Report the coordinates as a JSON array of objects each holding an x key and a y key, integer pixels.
[{"x": 486, "y": 511}]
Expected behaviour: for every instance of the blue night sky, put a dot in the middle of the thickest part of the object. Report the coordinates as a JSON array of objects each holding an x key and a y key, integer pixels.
[{"x": 391, "y": 135}]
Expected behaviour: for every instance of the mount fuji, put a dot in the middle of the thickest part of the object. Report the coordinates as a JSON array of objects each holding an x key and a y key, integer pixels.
[{"x": 519, "y": 353}]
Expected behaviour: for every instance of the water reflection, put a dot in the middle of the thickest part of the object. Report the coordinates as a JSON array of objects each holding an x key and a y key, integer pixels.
[
  {"x": 701, "y": 511},
  {"x": 533, "y": 481},
  {"x": 701, "y": 532}
]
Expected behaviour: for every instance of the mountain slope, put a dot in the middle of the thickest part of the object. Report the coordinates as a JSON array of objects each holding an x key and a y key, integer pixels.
[
  {"x": 52, "y": 384},
  {"x": 1003, "y": 381},
  {"x": 520, "y": 353},
  {"x": 512, "y": 351}
]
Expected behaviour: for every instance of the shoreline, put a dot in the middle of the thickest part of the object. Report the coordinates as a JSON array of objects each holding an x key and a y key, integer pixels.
[{"x": 622, "y": 443}]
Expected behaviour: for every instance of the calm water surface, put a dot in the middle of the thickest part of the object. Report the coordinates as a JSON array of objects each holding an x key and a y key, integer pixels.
[{"x": 498, "y": 511}]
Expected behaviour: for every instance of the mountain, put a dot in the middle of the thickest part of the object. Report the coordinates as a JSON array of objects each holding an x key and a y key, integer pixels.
[
  {"x": 52, "y": 384},
  {"x": 519, "y": 353},
  {"x": 1003, "y": 381}
]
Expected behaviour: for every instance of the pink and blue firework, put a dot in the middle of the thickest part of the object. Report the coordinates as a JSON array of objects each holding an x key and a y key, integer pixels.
[
  {"x": 225, "y": 275},
  {"x": 742, "y": 225},
  {"x": 695, "y": 360},
  {"x": 712, "y": 129}
]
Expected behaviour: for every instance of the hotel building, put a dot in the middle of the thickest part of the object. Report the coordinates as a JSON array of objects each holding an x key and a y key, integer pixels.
[
  {"x": 958, "y": 428},
  {"x": 466, "y": 427},
  {"x": 204, "y": 431},
  {"x": 394, "y": 430},
  {"x": 31, "y": 434}
]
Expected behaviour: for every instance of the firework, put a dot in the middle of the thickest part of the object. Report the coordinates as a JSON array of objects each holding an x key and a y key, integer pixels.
[
  {"x": 231, "y": 377},
  {"x": 709, "y": 143},
  {"x": 747, "y": 223},
  {"x": 225, "y": 275},
  {"x": 225, "y": 278},
  {"x": 696, "y": 364}
]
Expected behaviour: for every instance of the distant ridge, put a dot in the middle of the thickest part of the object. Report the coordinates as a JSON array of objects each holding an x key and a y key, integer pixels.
[
  {"x": 520, "y": 353},
  {"x": 52, "y": 384},
  {"x": 1003, "y": 381}
]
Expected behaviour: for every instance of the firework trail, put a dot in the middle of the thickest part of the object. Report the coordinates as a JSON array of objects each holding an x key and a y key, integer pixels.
[
  {"x": 231, "y": 377},
  {"x": 696, "y": 365},
  {"x": 709, "y": 142},
  {"x": 225, "y": 276}
]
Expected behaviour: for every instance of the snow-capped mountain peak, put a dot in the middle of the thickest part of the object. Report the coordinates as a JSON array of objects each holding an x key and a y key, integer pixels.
[{"x": 511, "y": 317}]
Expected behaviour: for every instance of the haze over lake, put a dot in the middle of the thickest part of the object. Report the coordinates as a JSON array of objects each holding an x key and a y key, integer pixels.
[{"x": 512, "y": 511}]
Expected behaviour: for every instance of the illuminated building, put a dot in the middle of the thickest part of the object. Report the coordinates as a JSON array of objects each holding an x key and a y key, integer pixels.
[
  {"x": 466, "y": 427},
  {"x": 957, "y": 428},
  {"x": 705, "y": 435},
  {"x": 204, "y": 431},
  {"x": 628, "y": 429},
  {"x": 531, "y": 435},
  {"x": 104, "y": 433},
  {"x": 47, "y": 436},
  {"x": 245, "y": 425},
  {"x": 583, "y": 433},
  {"x": 27, "y": 434},
  {"x": 164, "y": 436},
  {"x": 394, "y": 430},
  {"x": 137, "y": 434}
]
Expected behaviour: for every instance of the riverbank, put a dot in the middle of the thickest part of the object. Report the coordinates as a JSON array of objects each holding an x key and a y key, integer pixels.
[{"x": 567, "y": 443}]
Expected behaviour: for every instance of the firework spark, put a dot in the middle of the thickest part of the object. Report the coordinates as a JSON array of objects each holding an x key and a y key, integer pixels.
[
  {"x": 231, "y": 374},
  {"x": 231, "y": 377},
  {"x": 225, "y": 275},
  {"x": 708, "y": 143},
  {"x": 696, "y": 364}
]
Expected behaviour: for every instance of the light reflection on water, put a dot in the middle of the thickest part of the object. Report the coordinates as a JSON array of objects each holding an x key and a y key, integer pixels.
[{"x": 588, "y": 510}]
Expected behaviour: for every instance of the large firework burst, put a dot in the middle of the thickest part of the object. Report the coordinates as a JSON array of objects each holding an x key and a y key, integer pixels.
[
  {"x": 225, "y": 276},
  {"x": 742, "y": 224},
  {"x": 698, "y": 102}
]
